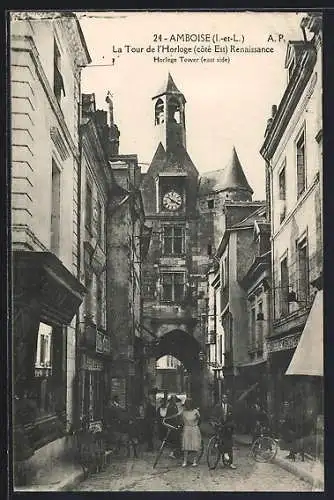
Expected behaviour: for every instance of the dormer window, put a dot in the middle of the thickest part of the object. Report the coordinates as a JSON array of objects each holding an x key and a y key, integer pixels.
[{"x": 159, "y": 112}]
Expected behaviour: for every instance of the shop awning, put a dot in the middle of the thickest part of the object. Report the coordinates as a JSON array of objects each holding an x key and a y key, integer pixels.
[{"x": 308, "y": 356}]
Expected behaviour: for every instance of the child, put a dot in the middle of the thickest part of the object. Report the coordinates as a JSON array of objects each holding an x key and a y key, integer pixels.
[{"x": 191, "y": 436}]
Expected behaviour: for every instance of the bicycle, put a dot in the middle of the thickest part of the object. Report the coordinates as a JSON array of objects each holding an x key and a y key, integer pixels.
[
  {"x": 264, "y": 448},
  {"x": 171, "y": 428},
  {"x": 216, "y": 449}
]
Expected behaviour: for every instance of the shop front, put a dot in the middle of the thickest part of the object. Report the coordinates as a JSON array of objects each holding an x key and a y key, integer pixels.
[
  {"x": 250, "y": 388},
  {"x": 281, "y": 390},
  {"x": 94, "y": 374},
  {"x": 306, "y": 366},
  {"x": 46, "y": 297}
]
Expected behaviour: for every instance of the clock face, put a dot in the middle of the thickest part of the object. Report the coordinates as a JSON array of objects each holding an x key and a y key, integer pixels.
[{"x": 172, "y": 200}]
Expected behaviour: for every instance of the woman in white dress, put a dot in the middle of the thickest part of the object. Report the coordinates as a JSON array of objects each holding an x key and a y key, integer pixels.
[{"x": 191, "y": 436}]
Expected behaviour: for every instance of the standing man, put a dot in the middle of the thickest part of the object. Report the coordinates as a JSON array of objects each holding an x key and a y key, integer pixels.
[
  {"x": 174, "y": 415},
  {"x": 226, "y": 419}
]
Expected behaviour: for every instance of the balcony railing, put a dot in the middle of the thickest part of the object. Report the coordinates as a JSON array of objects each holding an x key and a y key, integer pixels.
[{"x": 168, "y": 311}]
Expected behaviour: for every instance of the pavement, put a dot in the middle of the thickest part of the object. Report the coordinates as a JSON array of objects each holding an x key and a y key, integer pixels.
[
  {"x": 310, "y": 470},
  {"x": 135, "y": 475},
  {"x": 63, "y": 477},
  {"x": 67, "y": 477}
]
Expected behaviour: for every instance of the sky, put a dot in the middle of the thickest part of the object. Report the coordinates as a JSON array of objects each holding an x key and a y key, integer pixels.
[{"x": 228, "y": 104}]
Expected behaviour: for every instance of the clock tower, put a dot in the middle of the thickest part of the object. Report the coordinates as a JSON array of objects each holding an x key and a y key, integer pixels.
[
  {"x": 169, "y": 116},
  {"x": 171, "y": 276}
]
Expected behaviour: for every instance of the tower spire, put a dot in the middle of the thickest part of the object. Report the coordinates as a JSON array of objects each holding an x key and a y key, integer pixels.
[{"x": 170, "y": 116}]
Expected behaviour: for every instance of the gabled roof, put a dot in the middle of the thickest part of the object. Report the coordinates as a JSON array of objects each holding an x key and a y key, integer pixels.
[
  {"x": 256, "y": 216},
  {"x": 169, "y": 87},
  {"x": 230, "y": 177},
  {"x": 179, "y": 161}
]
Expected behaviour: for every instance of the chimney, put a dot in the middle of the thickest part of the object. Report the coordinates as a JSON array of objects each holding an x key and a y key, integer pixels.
[
  {"x": 88, "y": 104},
  {"x": 101, "y": 118}
]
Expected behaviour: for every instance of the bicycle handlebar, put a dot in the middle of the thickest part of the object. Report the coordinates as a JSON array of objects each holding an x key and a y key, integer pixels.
[{"x": 169, "y": 425}]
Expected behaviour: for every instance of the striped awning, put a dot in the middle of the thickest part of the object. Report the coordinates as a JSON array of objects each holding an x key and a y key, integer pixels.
[{"x": 308, "y": 356}]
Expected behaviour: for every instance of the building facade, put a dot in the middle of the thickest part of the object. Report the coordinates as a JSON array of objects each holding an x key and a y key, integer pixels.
[
  {"x": 47, "y": 288},
  {"x": 94, "y": 339},
  {"x": 183, "y": 211},
  {"x": 257, "y": 286},
  {"x": 293, "y": 152},
  {"x": 126, "y": 249},
  {"x": 236, "y": 252}
]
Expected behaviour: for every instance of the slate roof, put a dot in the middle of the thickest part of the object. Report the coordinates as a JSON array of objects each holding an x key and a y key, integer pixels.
[
  {"x": 168, "y": 87},
  {"x": 230, "y": 177}
]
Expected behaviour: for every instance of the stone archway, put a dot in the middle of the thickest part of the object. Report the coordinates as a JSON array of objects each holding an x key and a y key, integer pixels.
[{"x": 186, "y": 349}]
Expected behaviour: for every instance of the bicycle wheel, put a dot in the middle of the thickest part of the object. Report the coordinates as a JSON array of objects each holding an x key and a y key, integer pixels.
[
  {"x": 213, "y": 452},
  {"x": 158, "y": 455},
  {"x": 201, "y": 451},
  {"x": 264, "y": 449}
]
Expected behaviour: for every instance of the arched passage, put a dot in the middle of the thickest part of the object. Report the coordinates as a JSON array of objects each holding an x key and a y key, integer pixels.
[{"x": 186, "y": 349}]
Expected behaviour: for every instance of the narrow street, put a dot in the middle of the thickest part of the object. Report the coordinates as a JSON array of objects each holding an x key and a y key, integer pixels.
[{"x": 138, "y": 475}]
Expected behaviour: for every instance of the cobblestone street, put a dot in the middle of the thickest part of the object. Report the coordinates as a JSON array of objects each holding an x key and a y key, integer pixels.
[{"x": 138, "y": 475}]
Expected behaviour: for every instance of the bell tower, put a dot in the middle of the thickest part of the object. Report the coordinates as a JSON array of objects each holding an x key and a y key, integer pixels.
[{"x": 169, "y": 117}]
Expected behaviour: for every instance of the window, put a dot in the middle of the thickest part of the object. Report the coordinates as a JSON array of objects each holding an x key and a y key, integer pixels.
[
  {"x": 173, "y": 285},
  {"x": 55, "y": 209},
  {"x": 282, "y": 192},
  {"x": 219, "y": 349},
  {"x": 58, "y": 82},
  {"x": 88, "y": 295},
  {"x": 260, "y": 323},
  {"x": 159, "y": 112},
  {"x": 225, "y": 275},
  {"x": 99, "y": 301},
  {"x": 300, "y": 159},
  {"x": 209, "y": 249},
  {"x": 211, "y": 204},
  {"x": 45, "y": 392},
  {"x": 89, "y": 205},
  {"x": 99, "y": 228},
  {"x": 303, "y": 273},
  {"x": 253, "y": 326},
  {"x": 284, "y": 305},
  {"x": 43, "y": 353},
  {"x": 174, "y": 114},
  {"x": 173, "y": 240}
]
